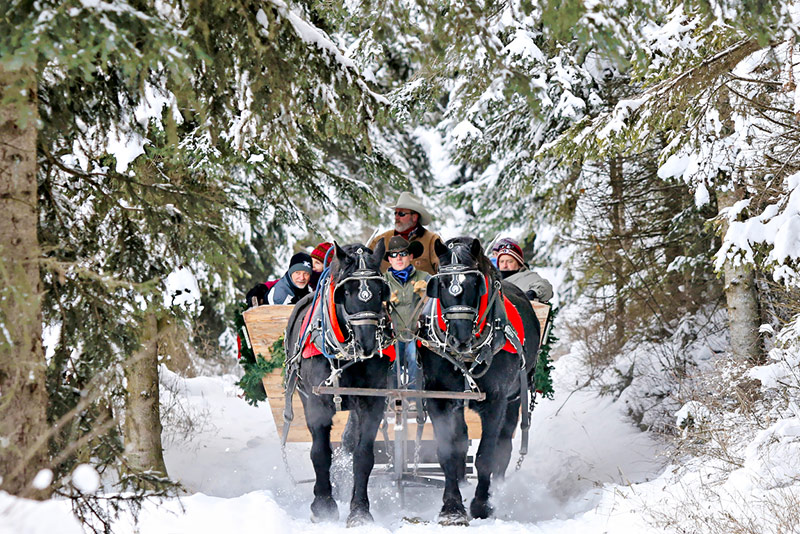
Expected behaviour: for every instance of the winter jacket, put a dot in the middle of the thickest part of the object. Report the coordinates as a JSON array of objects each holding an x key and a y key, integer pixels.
[
  {"x": 285, "y": 292},
  {"x": 404, "y": 301},
  {"x": 427, "y": 261},
  {"x": 527, "y": 280}
]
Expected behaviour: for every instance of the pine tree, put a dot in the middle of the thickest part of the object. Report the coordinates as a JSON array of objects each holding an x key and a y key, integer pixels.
[{"x": 232, "y": 115}]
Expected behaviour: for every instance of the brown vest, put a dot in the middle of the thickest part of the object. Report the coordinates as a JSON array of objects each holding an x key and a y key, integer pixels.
[{"x": 427, "y": 261}]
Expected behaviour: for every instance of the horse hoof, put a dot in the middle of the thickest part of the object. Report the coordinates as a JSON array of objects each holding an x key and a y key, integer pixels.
[
  {"x": 360, "y": 518},
  {"x": 481, "y": 510},
  {"x": 454, "y": 519},
  {"x": 324, "y": 510}
]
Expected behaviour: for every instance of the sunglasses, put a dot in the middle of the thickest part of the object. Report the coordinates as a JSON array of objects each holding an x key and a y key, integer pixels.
[
  {"x": 402, "y": 254},
  {"x": 402, "y": 213}
]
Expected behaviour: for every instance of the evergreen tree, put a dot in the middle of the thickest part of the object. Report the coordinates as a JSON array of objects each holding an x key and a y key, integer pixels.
[{"x": 167, "y": 134}]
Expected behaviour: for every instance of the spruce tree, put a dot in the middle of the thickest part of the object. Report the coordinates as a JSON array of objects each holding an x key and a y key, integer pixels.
[{"x": 165, "y": 131}]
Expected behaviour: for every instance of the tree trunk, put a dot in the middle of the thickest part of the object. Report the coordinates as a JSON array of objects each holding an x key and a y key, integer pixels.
[
  {"x": 23, "y": 397},
  {"x": 618, "y": 236},
  {"x": 740, "y": 292},
  {"x": 744, "y": 316},
  {"x": 143, "y": 452}
]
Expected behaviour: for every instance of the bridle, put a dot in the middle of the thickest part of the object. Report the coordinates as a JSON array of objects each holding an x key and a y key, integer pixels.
[
  {"x": 438, "y": 320},
  {"x": 343, "y": 343}
]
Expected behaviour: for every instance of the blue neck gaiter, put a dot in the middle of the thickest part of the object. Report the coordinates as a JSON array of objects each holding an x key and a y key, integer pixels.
[{"x": 402, "y": 276}]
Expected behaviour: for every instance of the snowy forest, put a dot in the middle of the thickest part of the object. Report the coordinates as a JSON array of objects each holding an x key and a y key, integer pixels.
[{"x": 158, "y": 158}]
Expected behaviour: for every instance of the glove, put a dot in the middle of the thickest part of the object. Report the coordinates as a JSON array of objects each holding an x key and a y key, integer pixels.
[
  {"x": 394, "y": 298},
  {"x": 420, "y": 286},
  {"x": 259, "y": 293},
  {"x": 531, "y": 294}
]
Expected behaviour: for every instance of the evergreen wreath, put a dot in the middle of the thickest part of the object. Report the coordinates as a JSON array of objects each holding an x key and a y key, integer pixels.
[
  {"x": 542, "y": 382},
  {"x": 255, "y": 365}
]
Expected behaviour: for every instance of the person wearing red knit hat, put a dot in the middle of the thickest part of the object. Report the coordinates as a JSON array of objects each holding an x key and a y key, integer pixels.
[{"x": 318, "y": 262}]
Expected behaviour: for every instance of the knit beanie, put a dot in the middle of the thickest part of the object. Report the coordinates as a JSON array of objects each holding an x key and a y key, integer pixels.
[
  {"x": 504, "y": 242},
  {"x": 322, "y": 249},
  {"x": 510, "y": 247},
  {"x": 299, "y": 262}
]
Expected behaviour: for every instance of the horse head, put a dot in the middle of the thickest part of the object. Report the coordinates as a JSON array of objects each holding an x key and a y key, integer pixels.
[
  {"x": 360, "y": 295},
  {"x": 461, "y": 286}
]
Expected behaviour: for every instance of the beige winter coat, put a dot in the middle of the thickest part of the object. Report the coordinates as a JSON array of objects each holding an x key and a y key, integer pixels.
[{"x": 427, "y": 261}]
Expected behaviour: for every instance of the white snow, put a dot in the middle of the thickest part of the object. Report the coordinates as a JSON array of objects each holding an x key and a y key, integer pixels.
[
  {"x": 584, "y": 454},
  {"x": 674, "y": 166},
  {"x": 23, "y": 516},
  {"x": 181, "y": 289},
  {"x": 42, "y": 479},
  {"x": 85, "y": 478}
]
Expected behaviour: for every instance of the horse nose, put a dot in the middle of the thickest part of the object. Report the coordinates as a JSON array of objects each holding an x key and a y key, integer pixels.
[{"x": 369, "y": 346}]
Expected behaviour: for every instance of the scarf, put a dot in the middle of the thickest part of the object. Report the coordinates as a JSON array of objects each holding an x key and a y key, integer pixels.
[
  {"x": 506, "y": 274},
  {"x": 411, "y": 233},
  {"x": 404, "y": 275}
]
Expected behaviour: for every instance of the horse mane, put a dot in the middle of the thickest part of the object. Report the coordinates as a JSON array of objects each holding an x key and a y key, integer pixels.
[{"x": 483, "y": 263}]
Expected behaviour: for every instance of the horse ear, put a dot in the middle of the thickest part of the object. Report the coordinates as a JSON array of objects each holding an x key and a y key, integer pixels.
[
  {"x": 378, "y": 253},
  {"x": 341, "y": 255},
  {"x": 439, "y": 248},
  {"x": 475, "y": 249}
]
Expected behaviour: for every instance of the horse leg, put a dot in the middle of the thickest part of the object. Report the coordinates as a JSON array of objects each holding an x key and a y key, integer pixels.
[
  {"x": 503, "y": 450},
  {"x": 447, "y": 428},
  {"x": 370, "y": 413},
  {"x": 491, "y": 413},
  {"x": 350, "y": 433},
  {"x": 320, "y": 419},
  {"x": 461, "y": 443}
]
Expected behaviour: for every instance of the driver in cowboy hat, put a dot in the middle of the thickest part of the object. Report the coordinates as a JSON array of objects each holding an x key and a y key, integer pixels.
[
  {"x": 407, "y": 286},
  {"x": 409, "y": 217}
]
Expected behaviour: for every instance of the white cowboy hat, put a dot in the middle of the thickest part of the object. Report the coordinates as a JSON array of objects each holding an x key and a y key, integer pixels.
[{"x": 410, "y": 202}]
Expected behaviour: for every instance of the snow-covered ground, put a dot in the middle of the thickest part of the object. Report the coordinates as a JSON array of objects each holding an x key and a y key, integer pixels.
[{"x": 583, "y": 474}]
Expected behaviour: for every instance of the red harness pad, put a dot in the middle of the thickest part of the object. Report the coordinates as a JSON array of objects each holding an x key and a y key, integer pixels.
[
  {"x": 516, "y": 322},
  {"x": 512, "y": 314},
  {"x": 310, "y": 350}
]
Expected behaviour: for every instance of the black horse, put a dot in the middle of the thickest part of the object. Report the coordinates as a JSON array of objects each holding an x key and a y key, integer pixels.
[
  {"x": 470, "y": 338},
  {"x": 347, "y": 320}
]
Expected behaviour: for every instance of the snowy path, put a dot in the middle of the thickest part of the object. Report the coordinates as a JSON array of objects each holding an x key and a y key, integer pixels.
[
  {"x": 582, "y": 476},
  {"x": 586, "y": 453}
]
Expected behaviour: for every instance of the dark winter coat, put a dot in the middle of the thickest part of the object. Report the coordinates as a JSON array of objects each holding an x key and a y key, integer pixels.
[{"x": 285, "y": 292}]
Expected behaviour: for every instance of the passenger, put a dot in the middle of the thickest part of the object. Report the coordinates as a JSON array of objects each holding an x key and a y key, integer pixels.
[
  {"x": 318, "y": 262},
  {"x": 409, "y": 217},
  {"x": 513, "y": 268},
  {"x": 294, "y": 284},
  {"x": 407, "y": 286},
  {"x": 496, "y": 247}
]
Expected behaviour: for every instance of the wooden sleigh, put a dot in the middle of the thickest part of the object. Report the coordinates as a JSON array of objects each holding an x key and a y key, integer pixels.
[{"x": 266, "y": 324}]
